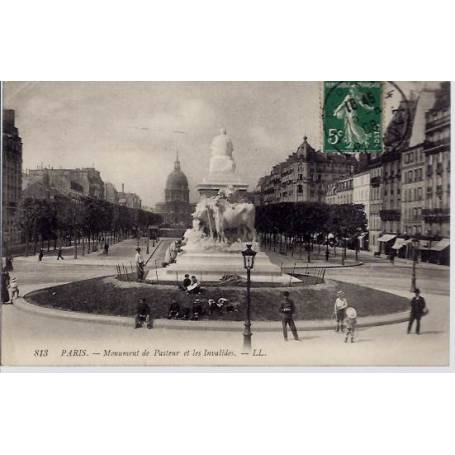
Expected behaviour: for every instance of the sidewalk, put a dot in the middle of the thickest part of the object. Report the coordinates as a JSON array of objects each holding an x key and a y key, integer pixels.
[
  {"x": 120, "y": 253},
  {"x": 364, "y": 257}
]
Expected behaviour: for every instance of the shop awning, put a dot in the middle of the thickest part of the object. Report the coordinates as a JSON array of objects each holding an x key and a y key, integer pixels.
[
  {"x": 400, "y": 243},
  {"x": 441, "y": 245},
  {"x": 386, "y": 238}
]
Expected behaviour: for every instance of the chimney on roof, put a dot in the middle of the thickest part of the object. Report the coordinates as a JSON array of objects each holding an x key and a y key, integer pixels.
[{"x": 123, "y": 187}]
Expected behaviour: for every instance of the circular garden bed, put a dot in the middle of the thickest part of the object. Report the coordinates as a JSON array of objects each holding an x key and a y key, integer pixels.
[{"x": 109, "y": 296}]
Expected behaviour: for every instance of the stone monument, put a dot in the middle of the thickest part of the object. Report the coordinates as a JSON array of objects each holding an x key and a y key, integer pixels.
[
  {"x": 222, "y": 168},
  {"x": 223, "y": 223}
]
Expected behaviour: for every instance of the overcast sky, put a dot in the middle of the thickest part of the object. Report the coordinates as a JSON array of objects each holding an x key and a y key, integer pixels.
[{"x": 130, "y": 131}]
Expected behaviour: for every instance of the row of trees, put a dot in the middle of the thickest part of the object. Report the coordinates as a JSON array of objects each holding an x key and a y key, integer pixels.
[
  {"x": 297, "y": 224},
  {"x": 65, "y": 220}
]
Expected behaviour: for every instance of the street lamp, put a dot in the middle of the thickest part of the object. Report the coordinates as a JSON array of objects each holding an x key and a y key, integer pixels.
[
  {"x": 415, "y": 254},
  {"x": 248, "y": 263}
]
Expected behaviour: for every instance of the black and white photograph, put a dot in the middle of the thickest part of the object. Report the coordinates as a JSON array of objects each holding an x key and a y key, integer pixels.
[{"x": 225, "y": 224}]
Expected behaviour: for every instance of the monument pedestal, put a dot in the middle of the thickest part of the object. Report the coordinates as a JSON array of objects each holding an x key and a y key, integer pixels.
[
  {"x": 212, "y": 265},
  {"x": 211, "y": 189}
]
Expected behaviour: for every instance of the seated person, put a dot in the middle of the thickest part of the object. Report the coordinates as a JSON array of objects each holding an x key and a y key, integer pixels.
[
  {"x": 221, "y": 303},
  {"x": 174, "y": 309},
  {"x": 232, "y": 306},
  {"x": 194, "y": 287},
  {"x": 184, "y": 313},
  {"x": 144, "y": 314},
  {"x": 212, "y": 305},
  {"x": 197, "y": 310},
  {"x": 186, "y": 281}
]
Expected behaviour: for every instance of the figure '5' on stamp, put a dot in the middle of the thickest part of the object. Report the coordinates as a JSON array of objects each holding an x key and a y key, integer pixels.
[{"x": 352, "y": 117}]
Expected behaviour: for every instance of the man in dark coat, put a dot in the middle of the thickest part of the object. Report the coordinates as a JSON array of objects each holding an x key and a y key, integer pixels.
[
  {"x": 287, "y": 310},
  {"x": 144, "y": 314},
  {"x": 418, "y": 309},
  {"x": 5, "y": 298}
]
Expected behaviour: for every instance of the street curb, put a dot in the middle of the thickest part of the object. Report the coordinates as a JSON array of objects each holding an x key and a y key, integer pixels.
[{"x": 222, "y": 326}]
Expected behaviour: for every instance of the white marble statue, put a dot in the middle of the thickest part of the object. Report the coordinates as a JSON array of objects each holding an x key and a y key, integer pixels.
[
  {"x": 221, "y": 160},
  {"x": 220, "y": 223}
]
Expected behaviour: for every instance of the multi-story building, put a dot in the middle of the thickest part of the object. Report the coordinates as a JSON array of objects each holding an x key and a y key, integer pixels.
[
  {"x": 375, "y": 203},
  {"x": 436, "y": 213},
  {"x": 361, "y": 191},
  {"x": 110, "y": 193},
  {"x": 340, "y": 192},
  {"x": 391, "y": 170},
  {"x": 70, "y": 182},
  {"x": 412, "y": 190},
  {"x": 11, "y": 177},
  {"x": 131, "y": 200},
  {"x": 305, "y": 175}
]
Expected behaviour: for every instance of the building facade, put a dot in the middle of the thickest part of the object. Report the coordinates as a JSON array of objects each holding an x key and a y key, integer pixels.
[
  {"x": 176, "y": 209},
  {"x": 374, "y": 219},
  {"x": 304, "y": 176},
  {"x": 69, "y": 182},
  {"x": 340, "y": 192},
  {"x": 361, "y": 191},
  {"x": 436, "y": 212},
  {"x": 412, "y": 183},
  {"x": 11, "y": 177},
  {"x": 110, "y": 193}
]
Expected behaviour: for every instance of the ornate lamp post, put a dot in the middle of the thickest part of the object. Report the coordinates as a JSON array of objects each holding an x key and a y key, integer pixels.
[
  {"x": 248, "y": 263},
  {"x": 415, "y": 254}
]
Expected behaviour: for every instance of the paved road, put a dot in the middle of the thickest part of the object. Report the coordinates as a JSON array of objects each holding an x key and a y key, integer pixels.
[{"x": 23, "y": 333}]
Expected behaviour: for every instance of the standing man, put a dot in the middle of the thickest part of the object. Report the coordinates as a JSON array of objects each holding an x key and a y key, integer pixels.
[
  {"x": 40, "y": 255},
  {"x": 139, "y": 260},
  {"x": 418, "y": 309},
  {"x": 60, "y": 253},
  {"x": 287, "y": 310}
]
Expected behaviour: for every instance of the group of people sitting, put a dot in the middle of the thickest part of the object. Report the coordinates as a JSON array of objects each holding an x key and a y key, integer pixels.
[
  {"x": 191, "y": 285},
  {"x": 198, "y": 309},
  {"x": 201, "y": 308}
]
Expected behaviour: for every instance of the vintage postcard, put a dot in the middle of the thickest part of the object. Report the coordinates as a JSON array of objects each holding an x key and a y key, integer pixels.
[{"x": 256, "y": 224}]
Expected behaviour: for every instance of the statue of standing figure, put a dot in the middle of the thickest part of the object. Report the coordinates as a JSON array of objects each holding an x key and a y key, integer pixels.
[{"x": 221, "y": 160}]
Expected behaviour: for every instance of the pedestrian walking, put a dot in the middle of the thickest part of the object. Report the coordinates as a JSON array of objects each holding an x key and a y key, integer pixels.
[
  {"x": 40, "y": 255},
  {"x": 9, "y": 264},
  {"x": 140, "y": 264},
  {"x": 60, "y": 253},
  {"x": 106, "y": 248},
  {"x": 350, "y": 322},
  {"x": 287, "y": 310},
  {"x": 341, "y": 304},
  {"x": 418, "y": 309}
]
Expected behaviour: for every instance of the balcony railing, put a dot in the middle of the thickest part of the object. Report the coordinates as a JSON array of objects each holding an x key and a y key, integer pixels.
[
  {"x": 436, "y": 215},
  {"x": 435, "y": 146},
  {"x": 390, "y": 215}
]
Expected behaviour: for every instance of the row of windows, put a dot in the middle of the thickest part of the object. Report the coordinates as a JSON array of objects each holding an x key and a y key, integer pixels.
[
  {"x": 414, "y": 155},
  {"x": 413, "y": 213},
  {"x": 392, "y": 192},
  {"x": 413, "y": 176},
  {"x": 415, "y": 194}
]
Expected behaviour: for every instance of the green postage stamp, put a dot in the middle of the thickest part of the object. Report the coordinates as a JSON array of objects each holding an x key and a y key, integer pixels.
[{"x": 352, "y": 117}]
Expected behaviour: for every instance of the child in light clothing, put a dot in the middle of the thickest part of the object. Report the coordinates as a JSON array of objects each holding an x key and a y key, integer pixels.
[
  {"x": 340, "y": 307},
  {"x": 14, "y": 288},
  {"x": 350, "y": 322}
]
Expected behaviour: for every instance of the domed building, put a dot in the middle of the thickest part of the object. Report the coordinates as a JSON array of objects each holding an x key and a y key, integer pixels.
[{"x": 176, "y": 208}]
